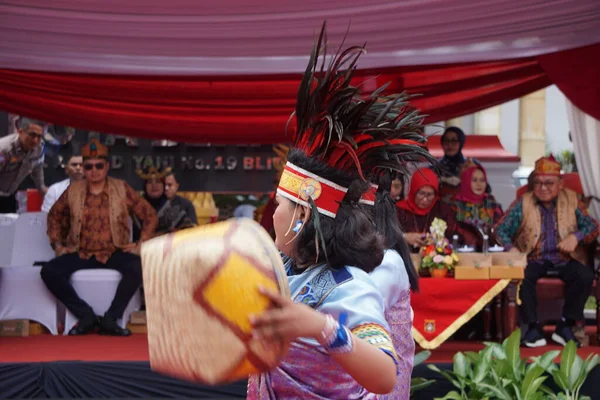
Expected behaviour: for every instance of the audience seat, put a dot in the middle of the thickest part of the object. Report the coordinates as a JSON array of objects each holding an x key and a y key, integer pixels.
[
  {"x": 98, "y": 287},
  {"x": 23, "y": 295}
]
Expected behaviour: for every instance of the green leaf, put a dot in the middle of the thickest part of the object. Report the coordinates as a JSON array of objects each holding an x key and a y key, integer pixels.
[
  {"x": 592, "y": 361},
  {"x": 566, "y": 360},
  {"x": 534, "y": 372},
  {"x": 453, "y": 395},
  {"x": 482, "y": 365},
  {"x": 575, "y": 371},
  {"x": 448, "y": 375},
  {"x": 546, "y": 360},
  {"x": 417, "y": 384},
  {"x": 472, "y": 356},
  {"x": 513, "y": 352},
  {"x": 460, "y": 366},
  {"x": 531, "y": 391},
  {"x": 515, "y": 391},
  {"x": 560, "y": 379},
  {"x": 498, "y": 351},
  {"x": 499, "y": 393},
  {"x": 421, "y": 357}
]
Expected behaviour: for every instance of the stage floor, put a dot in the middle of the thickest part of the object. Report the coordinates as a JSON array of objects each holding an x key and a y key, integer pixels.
[{"x": 46, "y": 348}]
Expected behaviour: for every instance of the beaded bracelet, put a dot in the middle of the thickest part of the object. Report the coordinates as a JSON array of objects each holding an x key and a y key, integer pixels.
[{"x": 335, "y": 337}]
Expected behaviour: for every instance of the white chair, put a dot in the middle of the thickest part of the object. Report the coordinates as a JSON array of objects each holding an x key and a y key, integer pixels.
[
  {"x": 23, "y": 295},
  {"x": 31, "y": 243},
  {"x": 8, "y": 223},
  {"x": 97, "y": 287}
]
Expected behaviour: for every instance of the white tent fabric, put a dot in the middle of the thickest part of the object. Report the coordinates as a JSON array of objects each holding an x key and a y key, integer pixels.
[
  {"x": 585, "y": 131},
  {"x": 215, "y": 37}
]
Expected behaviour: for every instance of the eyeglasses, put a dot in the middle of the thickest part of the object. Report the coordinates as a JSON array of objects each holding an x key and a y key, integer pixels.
[
  {"x": 34, "y": 135},
  {"x": 540, "y": 184},
  {"x": 99, "y": 166}
]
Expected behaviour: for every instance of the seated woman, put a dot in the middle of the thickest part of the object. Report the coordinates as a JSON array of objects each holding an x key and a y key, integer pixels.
[
  {"x": 476, "y": 211},
  {"x": 421, "y": 206},
  {"x": 170, "y": 217}
]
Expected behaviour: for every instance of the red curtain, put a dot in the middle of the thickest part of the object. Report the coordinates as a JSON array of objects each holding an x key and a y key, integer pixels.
[
  {"x": 254, "y": 109},
  {"x": 577, "y": 74}
]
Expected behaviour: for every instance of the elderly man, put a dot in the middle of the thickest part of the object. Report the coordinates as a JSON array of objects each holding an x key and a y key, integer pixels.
[
  {"x": 74, "y": 171},
  {"x": 21, "y": 154},
  {"x": 552, "y": 227},
  {"x": 89, "y": 228}
]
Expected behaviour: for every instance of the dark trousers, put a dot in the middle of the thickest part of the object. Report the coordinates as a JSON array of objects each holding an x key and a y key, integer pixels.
[
  {"x": 56, "y": 274},
  {"x": 8, "y": 204},
  {"x": 578, "y": 280}
]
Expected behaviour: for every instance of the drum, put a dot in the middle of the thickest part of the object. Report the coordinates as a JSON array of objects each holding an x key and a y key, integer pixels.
[{"x": 201, "y": 286}]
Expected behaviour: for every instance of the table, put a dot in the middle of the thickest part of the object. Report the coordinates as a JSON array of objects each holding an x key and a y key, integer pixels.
[{"x": 443, "y": 305}]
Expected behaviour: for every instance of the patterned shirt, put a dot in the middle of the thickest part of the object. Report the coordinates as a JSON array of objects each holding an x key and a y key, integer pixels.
[
  {"x": 96, "y": 238},
  {"x": 547, "y": 246},
  {"x": 16, "y": 163}
]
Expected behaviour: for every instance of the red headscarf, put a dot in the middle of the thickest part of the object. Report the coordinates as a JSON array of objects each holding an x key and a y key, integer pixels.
[
  {"x": 422, "y": 178},
  {"x": 466, "y": 188}
]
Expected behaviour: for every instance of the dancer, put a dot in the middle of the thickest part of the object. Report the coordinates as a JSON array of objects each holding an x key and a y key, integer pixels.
[{"x": 341, "y": 346}]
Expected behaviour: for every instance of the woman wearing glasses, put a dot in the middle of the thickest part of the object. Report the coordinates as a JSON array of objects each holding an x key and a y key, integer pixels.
[{"x": 421, "y": 206}]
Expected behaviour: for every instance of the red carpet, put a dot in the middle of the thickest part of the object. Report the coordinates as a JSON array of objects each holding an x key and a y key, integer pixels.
[
  {"x": 135, "y": 348},
  {"x": 69, "y": 348}
]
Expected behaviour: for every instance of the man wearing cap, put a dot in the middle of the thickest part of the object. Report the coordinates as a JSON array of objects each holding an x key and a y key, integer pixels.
[
  {"x": 552, "y": 227},
  {"x": 89, "y": 228},
  {"x": 21, "y": 154}
]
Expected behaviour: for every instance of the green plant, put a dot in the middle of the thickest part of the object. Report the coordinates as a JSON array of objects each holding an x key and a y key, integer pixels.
[
  {"x": 497, "y": 372},
  {"x": 418, "y": 383},
  {"x": 572, "y": 373}
]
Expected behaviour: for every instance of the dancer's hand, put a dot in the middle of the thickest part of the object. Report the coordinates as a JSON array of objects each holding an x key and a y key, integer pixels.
[{"x": 287, "y": 321}]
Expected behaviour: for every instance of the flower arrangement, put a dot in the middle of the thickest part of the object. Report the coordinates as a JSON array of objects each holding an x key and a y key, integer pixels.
[{"x": 437, "y": 253}]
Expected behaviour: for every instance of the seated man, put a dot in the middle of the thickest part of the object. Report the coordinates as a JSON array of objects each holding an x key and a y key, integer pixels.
[
  {"x": 74, "y": 170},
  {"x": 89, "y": 228},
  {"x": 551, "y": 226}
]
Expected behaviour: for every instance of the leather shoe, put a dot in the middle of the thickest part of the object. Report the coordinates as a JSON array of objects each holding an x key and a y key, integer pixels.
[
  {"x": 85, "y": 325},
  {"x": 109, "y": 326}
]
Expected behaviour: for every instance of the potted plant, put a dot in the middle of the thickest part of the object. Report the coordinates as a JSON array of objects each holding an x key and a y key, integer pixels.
[{"x": 437, "y": 254}]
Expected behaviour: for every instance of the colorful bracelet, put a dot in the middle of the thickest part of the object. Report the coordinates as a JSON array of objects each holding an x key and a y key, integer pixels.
[{"x": 335, "y": 337}]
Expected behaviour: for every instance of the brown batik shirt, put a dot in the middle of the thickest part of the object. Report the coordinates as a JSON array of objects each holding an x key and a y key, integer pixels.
[{"x": 95, "y": 237}]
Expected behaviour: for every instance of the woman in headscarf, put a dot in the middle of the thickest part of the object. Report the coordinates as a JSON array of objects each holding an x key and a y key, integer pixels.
[
  {"x": 453, "y": 141},
  {"x": 476, "y": 211},
  {"x": 421, "y": 206}
]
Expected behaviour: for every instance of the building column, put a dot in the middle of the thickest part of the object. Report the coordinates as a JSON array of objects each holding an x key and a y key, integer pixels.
[
  {"x": 532, "y": 127},
  {"x": 487, "y": 122}
]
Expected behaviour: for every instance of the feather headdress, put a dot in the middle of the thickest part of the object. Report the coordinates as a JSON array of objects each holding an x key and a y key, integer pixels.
[{"x": 336, "y": 124}]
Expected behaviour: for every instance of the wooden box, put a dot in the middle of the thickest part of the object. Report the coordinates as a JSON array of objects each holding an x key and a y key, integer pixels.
[
  {"x": 138, "y": 318},
  {"x": 508, "y": 265},
  {"x": 473, "y": 266},
  {"x": 17, "y": 327}
]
